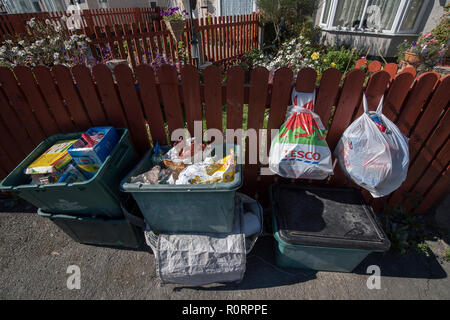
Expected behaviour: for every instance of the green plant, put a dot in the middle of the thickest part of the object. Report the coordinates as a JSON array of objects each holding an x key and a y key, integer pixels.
[
  {"x": 45, "y": 44},
  {"x": 408, "y": 231},
  {"x": 174, "y": 14},
  {"x": 427, "y": 47},
  {"x": 442, "y": 30},
  {"x": 447, "y": 254},
  {"x": 285, "y": 13}
]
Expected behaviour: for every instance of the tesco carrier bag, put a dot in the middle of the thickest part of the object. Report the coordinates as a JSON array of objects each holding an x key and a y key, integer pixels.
[
  {"x": 374, "y": 153},
  {"x": 300, "y": 150}
]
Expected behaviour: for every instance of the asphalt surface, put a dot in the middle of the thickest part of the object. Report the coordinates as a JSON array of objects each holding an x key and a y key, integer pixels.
[{"x": 35, "y": 255}]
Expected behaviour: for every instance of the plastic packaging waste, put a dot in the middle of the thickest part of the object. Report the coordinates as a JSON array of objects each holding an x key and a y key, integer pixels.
[
  {"x": 300, "y": 149},
  {"x": 374, "y": 153}
]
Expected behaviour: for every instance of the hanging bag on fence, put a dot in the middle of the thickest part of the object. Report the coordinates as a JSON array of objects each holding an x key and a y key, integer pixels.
[
  {"x": 374, "y": 153},
  {"x": 300, "y": 150}
]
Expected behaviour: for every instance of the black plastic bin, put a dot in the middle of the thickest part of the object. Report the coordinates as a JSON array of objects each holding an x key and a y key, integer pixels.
[{"x": 319, "y": 228}]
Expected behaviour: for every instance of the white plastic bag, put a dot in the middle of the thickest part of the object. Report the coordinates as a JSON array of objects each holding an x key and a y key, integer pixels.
[
  {"x": 375, "y": 156},
  {"x": 300, "y": 150}
]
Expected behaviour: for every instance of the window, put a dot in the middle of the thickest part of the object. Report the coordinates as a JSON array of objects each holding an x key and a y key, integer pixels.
[
  {"x": 372, "y": 15},
  {"x": 37, "y": 6},
  {"x": 326, "y": 12},
  {"x": 236, "y": 7},
  {"x": 73, "y": 2},
  {"x": 412, "y": 13},
  {"x": 153, "y": 4},
  {"x": 103, "y": 4}
]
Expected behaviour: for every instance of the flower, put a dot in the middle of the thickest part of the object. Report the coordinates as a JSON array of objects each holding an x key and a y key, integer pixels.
[
  {"x": 333, "y": 65},
  {"x": 315, "y": 56},
  {"x": 325, "y": 60}
]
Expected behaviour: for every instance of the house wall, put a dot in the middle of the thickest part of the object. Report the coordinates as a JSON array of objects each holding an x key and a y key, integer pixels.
[
  {"x": 381, "y": 44},
  {"x": 211, "y": 6},
  {"x": 94, "y": 4}
]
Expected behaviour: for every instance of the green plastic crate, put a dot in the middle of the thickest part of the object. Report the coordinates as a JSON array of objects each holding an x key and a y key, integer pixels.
[
  {"x": 98, "y": 196},
  {"x": 98, "y": 230},
  {"x": 205, "y": 208},
  {"x": 332, "y": 228}
]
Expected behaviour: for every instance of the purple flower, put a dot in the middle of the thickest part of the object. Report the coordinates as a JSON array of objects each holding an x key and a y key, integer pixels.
[{"x": 414, "y": 43}]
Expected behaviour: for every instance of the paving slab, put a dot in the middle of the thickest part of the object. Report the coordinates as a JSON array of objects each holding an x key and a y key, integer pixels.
[{"x": 35, "y": 255}]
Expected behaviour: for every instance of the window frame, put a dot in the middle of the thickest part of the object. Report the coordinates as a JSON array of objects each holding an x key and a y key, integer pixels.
[{"x": 396, "y": 25}]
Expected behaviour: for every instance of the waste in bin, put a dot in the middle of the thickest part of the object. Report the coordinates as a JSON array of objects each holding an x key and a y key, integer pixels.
[
  {"x": 98, "y": 230},
  {"x": 186, "y": 207},
  {"x": 318, "y": 228},
  {"x": 98, "y": 196}
]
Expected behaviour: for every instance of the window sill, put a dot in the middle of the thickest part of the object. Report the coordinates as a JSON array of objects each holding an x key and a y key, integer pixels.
[{"x": 371, "y": 33}]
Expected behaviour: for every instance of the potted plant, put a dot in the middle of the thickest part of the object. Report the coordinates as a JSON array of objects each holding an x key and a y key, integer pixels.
[
  {"x": 175, "y": 21},
  {"x": 426, "y": 52}
]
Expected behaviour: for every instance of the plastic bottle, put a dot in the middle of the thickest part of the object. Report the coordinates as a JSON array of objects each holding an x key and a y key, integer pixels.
[{"x": 157, "y": 157}]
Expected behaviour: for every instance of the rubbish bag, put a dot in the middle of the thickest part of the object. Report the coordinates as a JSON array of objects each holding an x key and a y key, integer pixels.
[
  {"x": 199, "y": 259},
  {"x": 300, "y": 149},
  {"x": 374, "y": 153}
]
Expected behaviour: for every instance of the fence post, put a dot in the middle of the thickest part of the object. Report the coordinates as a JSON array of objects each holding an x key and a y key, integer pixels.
[
  {"x": 88, "y": 18},
  {"x": 138, "y": 15}
]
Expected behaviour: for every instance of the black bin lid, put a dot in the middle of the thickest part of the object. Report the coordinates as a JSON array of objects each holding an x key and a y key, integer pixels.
[{"x": 328, "y": 217}]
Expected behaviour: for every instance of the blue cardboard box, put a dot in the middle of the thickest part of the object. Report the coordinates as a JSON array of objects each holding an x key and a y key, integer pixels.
[{"x": 90, "y": 159}]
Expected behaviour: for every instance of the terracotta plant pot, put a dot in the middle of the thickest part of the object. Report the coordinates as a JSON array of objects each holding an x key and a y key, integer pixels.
[
  {"x": 412, "y": 58},
  {"x": 176, "y": 28}
]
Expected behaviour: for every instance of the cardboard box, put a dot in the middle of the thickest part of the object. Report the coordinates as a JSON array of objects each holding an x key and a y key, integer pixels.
[{"x": 90, "y": 158}]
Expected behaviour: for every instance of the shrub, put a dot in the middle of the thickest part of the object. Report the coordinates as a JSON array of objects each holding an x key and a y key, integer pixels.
[{"x": 44, "y": 44}]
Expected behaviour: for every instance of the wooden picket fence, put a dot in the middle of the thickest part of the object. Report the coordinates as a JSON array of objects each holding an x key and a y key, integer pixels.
[
  {"x": 137, "y": 35},
  {"x": 221, "y": 39},
  {"x": 13, "y": 24},
  {"x": 36, "y": 103}
]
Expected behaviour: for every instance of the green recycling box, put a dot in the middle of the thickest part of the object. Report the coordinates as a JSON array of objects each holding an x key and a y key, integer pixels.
[
  {"x": 98, "y": 196},
  {"x": 319, "y": 228},
  {"x": 98, "y": 230},
  {"x": 204, "y": 208}
]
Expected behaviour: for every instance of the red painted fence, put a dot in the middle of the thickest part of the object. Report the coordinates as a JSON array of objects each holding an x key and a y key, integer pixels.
[
  {"x": 12, "y": 24},
  {"x": 40, "y": 102},
  {"x": 221, "y": 39}
]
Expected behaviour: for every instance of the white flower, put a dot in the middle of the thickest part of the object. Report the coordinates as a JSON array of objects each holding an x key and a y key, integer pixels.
[
  {"x": 307, "y": 43},
  {"x": 56, "y": 55}
]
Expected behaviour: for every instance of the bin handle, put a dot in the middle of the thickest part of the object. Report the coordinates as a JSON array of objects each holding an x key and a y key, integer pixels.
[{"x": 136, "y": 221}]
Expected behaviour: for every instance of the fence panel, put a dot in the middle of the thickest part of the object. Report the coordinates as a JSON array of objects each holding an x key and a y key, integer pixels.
[{"x": 79, "y": 99}]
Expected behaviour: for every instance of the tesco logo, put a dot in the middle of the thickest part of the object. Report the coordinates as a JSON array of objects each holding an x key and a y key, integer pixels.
[{"x": 302, "y": 155}]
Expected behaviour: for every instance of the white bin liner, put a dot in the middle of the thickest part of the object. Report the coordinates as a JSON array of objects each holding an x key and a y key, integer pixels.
[
  {"x": 199, "y": 259},
  {"x": 374, "y": 156}
]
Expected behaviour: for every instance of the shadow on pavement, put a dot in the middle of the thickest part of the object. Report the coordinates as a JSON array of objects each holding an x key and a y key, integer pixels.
[
  {"x": 410, "y": 265},
  {"x": 16, "y": 205}
]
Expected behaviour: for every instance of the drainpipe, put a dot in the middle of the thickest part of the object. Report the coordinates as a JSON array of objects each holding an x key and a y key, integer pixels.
[{"x": 195, "y": 47}]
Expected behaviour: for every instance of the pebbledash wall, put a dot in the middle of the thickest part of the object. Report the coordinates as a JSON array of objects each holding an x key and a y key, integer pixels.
[{"x": 378, "y": 42}]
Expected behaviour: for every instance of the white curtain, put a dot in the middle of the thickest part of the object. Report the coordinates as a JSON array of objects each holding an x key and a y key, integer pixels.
[
  {"x": 348, "y": 13},
  {"x": 381, "y": 14}
]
